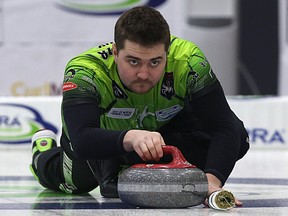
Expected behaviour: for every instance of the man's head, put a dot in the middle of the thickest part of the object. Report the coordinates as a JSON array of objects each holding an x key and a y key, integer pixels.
[
  {"x": 142, "y": 25},
  {"x": 142, "y": 39}
]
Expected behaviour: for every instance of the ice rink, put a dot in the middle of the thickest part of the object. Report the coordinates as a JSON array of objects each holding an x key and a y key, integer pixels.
[
  {"x": 38, "y": 38},
  {"x": 259, "y": 180}
]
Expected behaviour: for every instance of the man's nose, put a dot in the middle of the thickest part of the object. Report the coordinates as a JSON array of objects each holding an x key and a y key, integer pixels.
[{"x": 143, "y": 72}]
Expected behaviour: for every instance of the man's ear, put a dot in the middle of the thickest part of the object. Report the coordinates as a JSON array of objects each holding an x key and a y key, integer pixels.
[{"x": 115, "y": 53}]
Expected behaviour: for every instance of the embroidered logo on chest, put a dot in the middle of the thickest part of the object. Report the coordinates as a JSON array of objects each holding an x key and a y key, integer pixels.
[
  {"x": 167, "y": 87},
  {"x": 168, "y": 113},
  {"x": 118, "y": 92},
  {"x": 121, "y": 113}
]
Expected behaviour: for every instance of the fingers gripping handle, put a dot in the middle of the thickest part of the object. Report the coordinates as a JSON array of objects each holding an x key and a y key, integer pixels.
[{"x": 178, "y": 160}]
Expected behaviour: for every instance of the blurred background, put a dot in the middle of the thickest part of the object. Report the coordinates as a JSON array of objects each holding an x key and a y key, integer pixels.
[{"x": 246, "y": 42}]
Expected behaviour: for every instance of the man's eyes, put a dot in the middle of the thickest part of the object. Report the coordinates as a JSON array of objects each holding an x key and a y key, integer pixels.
[
  {"x": 136, "y": 62},
  {"x": 154, "y": 63}
]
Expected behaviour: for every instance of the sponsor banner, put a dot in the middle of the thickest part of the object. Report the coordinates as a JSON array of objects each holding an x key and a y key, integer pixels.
[
  {"x": 35, "y": 70},
  {"x": 107, "y": 7},
  {"x": 265, "y": 119},
  {"x": 21, "y": 117}
]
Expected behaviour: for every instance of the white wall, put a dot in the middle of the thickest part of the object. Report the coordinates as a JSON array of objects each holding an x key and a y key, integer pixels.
[
  {"x": 283, "y": 47},
  {"x": 39, "y": 37},
  {"x": 213, "y": 25}
]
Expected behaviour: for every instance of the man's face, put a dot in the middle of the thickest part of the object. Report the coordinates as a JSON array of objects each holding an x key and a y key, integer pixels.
[{"x": 140, "y": 68}]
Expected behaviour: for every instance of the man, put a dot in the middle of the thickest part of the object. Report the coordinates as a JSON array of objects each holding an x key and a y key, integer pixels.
[{"x": 123, "y": 101}]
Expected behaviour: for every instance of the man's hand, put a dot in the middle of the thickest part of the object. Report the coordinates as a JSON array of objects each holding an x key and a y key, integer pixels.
[
  {"x": 147, "y": 144},
  {"x": 214, "y": 184}
]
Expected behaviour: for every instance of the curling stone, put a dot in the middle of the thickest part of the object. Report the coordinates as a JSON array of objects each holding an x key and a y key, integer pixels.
[{"x": 177, "y": 184}]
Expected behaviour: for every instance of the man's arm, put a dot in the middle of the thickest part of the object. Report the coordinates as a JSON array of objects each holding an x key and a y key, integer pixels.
[
  {"x": 88, "y": 140},
  {"x": 214, "y": 112}
]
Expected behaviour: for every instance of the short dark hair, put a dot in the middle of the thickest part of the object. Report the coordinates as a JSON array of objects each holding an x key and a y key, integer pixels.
[{"x": 143, "y": 25}]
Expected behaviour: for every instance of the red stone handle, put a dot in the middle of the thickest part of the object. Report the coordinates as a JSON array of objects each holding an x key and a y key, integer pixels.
[{"x": 178, "y": 160}]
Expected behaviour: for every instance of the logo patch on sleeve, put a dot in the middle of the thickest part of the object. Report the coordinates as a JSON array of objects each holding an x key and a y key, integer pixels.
[{"x": 69, "y": 86}]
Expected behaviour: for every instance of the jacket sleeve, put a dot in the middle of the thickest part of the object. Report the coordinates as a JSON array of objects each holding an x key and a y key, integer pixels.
[
  {"x": 88, "y": 140},
  {"x": 212, "y": 109}
]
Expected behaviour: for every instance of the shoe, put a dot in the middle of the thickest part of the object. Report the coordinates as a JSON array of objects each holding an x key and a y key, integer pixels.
[
  {"x": 108, "y": 188},
  {"x": 106, "y": 173},
  {"x": 42, "y": 140}
]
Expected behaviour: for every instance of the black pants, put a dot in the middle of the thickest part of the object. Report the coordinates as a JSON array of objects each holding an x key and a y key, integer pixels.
[{"x": 59, "y": 171}]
